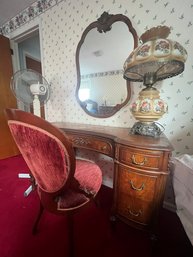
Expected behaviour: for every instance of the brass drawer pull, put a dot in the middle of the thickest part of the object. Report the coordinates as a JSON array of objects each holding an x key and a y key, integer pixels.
[
  {"x": 135, "y": 188},
  {"x": 138, "y": 163},
  {"x": 136, "y": 214},
  {"x": 104, "y": 148}
]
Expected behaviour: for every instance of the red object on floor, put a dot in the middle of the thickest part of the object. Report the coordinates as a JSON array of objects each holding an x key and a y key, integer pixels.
[{"x": 92, "y": 231}]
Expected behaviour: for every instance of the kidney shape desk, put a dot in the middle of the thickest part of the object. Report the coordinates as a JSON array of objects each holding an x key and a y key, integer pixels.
[{"x": 140, "y": 170}]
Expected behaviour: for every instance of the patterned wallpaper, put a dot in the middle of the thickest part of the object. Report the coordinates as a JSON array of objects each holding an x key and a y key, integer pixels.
[
  {"x": 62, "y": 25},
  {"x": 62, "y": 28}
]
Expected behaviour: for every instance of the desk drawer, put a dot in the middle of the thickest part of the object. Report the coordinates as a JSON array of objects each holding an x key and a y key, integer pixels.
[
  {"x": 135, "y": 195},
  {"x": 140, "y": 158},
  {"x": 137, "y": 185},
  {"x": 99, "y": 144},
  {"x": 135, "y": 210}
]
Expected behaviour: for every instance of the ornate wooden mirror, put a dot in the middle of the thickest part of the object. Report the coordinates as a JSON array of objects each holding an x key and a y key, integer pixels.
[{"x": 104, "y": 46}]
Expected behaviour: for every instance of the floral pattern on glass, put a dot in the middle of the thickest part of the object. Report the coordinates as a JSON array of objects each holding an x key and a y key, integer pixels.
[
  {"x": 144, "y": 51},
  {"x": 178, "y": 49},
  {"x": 135, "y": 106},
  {"x": 145, "y": 105},
  {"x": 160, "y": 106},
  {"x": 162, "y": 47}
]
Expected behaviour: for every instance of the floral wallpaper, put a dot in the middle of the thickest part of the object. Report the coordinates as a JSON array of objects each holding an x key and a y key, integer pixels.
[
  {"x": 27, "y": 15},
  {"x": 62, "y": 24}
]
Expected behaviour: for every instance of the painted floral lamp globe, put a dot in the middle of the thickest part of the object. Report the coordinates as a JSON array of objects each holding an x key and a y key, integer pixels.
[{"x": 156, "y": 59}]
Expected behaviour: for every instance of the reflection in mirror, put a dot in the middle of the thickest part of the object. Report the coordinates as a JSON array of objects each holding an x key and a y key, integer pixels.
[{"x": 100, "y": 56}]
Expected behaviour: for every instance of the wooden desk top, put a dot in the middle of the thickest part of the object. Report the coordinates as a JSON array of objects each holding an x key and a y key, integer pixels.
[{"x": 118, "y": 135}]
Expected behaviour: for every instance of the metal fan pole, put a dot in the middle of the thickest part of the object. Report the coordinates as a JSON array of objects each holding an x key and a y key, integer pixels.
[{"x": 36, "y": 106}]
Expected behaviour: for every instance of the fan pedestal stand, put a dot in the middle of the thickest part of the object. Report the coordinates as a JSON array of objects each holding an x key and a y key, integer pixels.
[{"x": 36, "y": 106}]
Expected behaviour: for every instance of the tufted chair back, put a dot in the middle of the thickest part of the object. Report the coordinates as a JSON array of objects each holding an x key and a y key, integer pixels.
[{"x": 47, "y": 152}]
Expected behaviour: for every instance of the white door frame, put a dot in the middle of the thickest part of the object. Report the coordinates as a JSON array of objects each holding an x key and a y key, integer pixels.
[
  {"x": 18, "y": 36},
  {"x": 21, "y": 34}
]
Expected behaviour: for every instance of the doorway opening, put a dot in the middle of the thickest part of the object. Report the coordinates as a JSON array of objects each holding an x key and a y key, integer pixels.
[{"x": 27, "y": 55}]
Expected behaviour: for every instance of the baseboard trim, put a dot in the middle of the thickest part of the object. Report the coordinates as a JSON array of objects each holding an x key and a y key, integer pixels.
[
  {"x": 169, "y": 206},
  {"x": 107, "y": 183}
]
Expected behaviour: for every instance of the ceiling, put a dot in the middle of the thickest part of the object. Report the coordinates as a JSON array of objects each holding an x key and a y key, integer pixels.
[{"x": 10, "y": 8}]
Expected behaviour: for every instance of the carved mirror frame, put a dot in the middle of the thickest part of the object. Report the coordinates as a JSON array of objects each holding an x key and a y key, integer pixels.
[{"x": 103, "y": 25}]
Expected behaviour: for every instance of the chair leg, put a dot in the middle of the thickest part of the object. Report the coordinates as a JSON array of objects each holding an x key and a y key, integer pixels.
[
  {"x": 34, "y": 230},
  {"x": 96, "y": 201},
  {"x": 70, "y": 231}
]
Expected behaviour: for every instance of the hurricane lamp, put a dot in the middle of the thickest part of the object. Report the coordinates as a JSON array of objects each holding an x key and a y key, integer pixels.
[{"x": 156, "y": 59}]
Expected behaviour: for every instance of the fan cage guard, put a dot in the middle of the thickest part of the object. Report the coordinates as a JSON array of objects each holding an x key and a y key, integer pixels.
[{"x": 20, "y": 86}]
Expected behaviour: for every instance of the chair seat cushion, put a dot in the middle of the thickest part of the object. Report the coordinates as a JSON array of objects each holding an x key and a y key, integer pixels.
[{"x": 89, "y": 177}]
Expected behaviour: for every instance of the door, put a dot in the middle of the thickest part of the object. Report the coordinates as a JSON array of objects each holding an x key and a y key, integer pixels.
[{"x": 8, "y": 147}]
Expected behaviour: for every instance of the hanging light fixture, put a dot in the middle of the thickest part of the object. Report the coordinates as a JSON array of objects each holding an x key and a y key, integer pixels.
[{"x": 156, "y": 59}]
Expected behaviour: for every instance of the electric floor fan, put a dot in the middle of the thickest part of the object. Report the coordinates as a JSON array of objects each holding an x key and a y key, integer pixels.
[{"x": 33, "y": 90}]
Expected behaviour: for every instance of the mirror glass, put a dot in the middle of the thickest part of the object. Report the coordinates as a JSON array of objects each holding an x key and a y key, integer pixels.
[{"x": 101, "y": 53}]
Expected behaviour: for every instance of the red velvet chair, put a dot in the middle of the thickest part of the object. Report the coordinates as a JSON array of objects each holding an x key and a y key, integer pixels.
[{"x": 64, "y": 183}]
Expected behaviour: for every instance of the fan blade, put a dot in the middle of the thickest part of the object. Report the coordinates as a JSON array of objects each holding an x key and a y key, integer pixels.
[{"x": 21, "y": 82}]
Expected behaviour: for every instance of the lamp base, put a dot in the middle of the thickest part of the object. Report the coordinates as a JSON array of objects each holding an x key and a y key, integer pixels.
[{"x": 146, "y": 129}]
